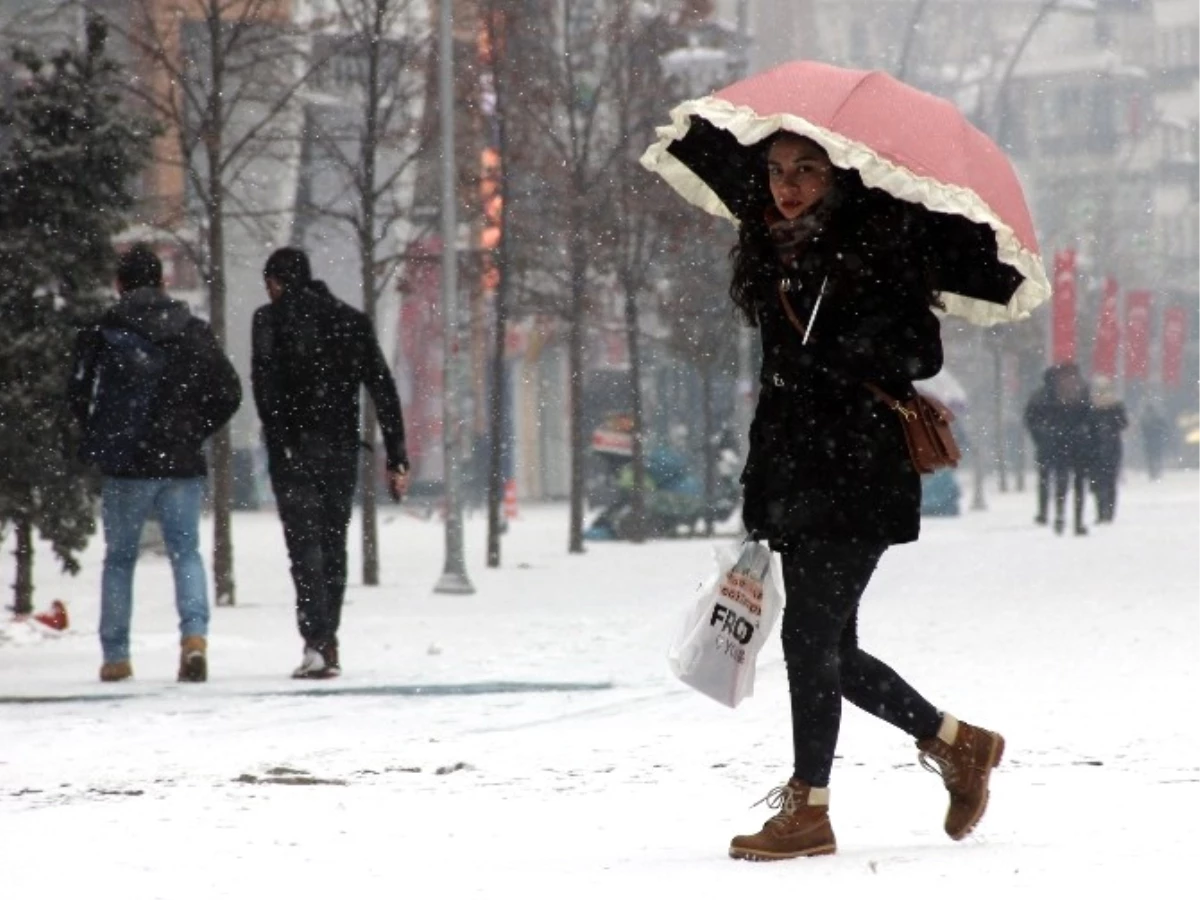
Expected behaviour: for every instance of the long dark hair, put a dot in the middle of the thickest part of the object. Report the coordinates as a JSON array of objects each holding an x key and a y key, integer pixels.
[{"x": 885, "y": 231}]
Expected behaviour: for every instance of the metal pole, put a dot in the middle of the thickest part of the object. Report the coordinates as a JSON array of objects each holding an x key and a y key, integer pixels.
[{"x": 454, "y": 576}]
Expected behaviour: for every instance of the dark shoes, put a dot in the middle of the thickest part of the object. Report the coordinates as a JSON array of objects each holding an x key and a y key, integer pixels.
[
  {"x": 964, "y": 756},
  {"x": 320, "y": 661},
  {"x": 800, "y": 828}
]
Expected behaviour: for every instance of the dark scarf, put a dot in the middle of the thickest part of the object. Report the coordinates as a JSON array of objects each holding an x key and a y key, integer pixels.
[{"x": 792, "y": 237}]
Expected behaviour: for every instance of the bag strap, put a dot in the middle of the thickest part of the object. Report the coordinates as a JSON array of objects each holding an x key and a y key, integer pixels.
[
  {"x": 887, "y": 399},
  {"x": 788, "y": 311}
]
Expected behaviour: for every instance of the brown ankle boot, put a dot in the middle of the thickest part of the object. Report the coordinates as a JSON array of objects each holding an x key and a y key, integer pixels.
[
  {"x": 193, "y": 666},
  {"x": 964, "y": 756},
  {"x": 800, "y": 828},
  {"x": 116, "y": 671}
]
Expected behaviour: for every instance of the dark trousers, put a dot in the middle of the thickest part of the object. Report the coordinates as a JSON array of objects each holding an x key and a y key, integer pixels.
[
  {"x": 824, "y": 582},
  {"x": 315, "y": 498},
  {"x": 1066, "y": 477},
  {"x": 1043, "y": 491},
  {"x": 1104, "y": 486},
  {"x": 1057, "y": 478}
]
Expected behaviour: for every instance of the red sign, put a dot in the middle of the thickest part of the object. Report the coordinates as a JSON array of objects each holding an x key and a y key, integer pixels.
[
  {"x": 1062, "y": 347},
  {"x": 1108, "y": 333},
  {"x": 1175, "y": 322},
  {"x": 1137, "y": 335}
]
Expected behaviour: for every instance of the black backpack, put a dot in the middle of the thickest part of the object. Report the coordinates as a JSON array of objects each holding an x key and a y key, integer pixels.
[{"x": 129, "y": 369}]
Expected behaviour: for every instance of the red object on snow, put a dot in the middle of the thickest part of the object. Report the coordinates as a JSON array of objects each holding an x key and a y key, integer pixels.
[{"x": 56, "y": 618}]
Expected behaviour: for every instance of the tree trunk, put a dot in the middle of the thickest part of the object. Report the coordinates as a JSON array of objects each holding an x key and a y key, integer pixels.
[
  {"x": 23, "y": 586},
  {"x": 575, "y": 357},
  {"x": 496, "y": 430},
  {"x": 498, "y": 437},
  {"x": 224, "y": 593},
  {"x": 370, "y": 291},
  {"x": 637, "y": 514},
  {"x": 710, "y": 468},
  {"x": 369, "y": 471},
  {"x": 222, "y": 450},
  {"x": 370, "y": 511}
]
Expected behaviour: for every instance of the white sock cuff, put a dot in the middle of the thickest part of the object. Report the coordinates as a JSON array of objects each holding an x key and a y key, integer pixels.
[
  {"x": 818, "y": 796},
  {"x": 948, "y": 730}
]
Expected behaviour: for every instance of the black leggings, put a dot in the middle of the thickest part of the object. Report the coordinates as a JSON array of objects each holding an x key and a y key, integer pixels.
[{"x": 824, "y": 582}]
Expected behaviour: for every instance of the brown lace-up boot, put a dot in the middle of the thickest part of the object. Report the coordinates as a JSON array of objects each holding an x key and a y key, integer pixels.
[
  {"x": 964, "y": 756},
  {"x": 800, "y": 828},
  {"x": 193, "y": 665}
]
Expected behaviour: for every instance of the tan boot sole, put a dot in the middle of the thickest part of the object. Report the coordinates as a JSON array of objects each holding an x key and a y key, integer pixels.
[
  {"x": 993, "y": 761},
  {"x": 769, "y": 856}
]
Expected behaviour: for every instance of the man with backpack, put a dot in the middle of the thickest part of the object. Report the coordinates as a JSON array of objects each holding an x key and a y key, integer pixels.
[
  {"x": 149, "y": 384},
  {"x": 311, "y": 355}
]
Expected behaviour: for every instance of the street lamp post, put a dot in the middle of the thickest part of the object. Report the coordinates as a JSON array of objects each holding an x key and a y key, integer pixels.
[{"x": 454, "y": 575}]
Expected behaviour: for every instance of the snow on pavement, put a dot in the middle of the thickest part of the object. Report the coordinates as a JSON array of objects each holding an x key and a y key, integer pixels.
[{"x": 528, "y": 739}]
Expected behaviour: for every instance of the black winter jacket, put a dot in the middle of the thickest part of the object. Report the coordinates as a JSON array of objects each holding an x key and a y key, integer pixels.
[
  {"x": 827, "y": 459},
  {"x": 1060, "y": 429},
  {"x": 311, "y": 353},
  {"x": 199, "y": 391},
  {"x": 1105, "y": 427}
]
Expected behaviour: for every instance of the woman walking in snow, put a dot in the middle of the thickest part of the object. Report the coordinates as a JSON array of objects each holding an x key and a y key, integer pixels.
[{"x": 831, "y": 274}]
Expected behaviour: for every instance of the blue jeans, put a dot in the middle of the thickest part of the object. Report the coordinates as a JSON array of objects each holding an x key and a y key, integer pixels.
[{"x": 126, "y": 504}]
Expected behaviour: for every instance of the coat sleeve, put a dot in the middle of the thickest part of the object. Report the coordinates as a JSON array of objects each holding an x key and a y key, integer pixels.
[
  {"x": 377, "y": 378},
  {"x": 83, "y": 373},
  {"x": 221, "y": 396},
  {"x": 264, "y": 381}
]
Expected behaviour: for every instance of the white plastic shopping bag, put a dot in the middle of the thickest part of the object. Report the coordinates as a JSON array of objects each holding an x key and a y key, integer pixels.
[{"x": 728, "y": 623}]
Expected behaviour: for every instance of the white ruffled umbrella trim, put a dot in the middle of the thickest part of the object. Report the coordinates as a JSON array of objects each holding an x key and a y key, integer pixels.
[{"x": 750, "y": 128}]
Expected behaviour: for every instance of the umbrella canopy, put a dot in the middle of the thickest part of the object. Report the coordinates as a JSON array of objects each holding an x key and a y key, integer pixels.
[{"x": 917, "y": 147}]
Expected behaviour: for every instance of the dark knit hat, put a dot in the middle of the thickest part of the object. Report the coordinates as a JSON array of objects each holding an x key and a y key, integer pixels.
[{"x": 289, "y": 266}]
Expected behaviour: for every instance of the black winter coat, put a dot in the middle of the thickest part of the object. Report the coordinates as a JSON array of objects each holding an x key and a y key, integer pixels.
[
  {"x": 199, "y": 391},
  {"x": 1107, "y": 423},
  {"x": 827, "y": 459},
  {"x": 311, "y": 353},
  {"x": 1060, "y": 429}
]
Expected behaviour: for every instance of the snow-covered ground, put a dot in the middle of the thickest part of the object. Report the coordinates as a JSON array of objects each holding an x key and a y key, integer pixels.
[{"x": 528, "y": 741}]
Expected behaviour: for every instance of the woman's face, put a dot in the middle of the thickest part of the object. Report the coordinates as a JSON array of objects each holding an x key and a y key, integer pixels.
[{"x": 800, "y": 174}]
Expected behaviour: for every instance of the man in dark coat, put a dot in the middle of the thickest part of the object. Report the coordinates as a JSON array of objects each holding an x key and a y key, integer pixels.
[
  {"x": 145, "y": 428},
  {"x": 311, "y": 354},
  {"x": 1058, "y": 417}
]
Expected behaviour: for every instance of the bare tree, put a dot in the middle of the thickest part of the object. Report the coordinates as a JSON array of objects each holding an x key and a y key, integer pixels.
[
  {"x": 498, "y": 20},
  {"x": 643, "y": 208},
  {"x": 701, "y": 325},
  {"x": 222, "y": 76},
  {"x": 566, "y": 146},
  {"x": 362, "y": 157}
]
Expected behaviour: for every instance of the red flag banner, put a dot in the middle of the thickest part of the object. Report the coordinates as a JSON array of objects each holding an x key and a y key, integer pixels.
[
  {"x": 1108, "y": 333},
  {"x": 1137, "y": 335},
  {"x": 1063, "y": 330},
  {"x": 1174, "y": 332}
]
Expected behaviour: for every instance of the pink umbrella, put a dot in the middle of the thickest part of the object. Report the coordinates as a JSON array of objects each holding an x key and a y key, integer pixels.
[{"x": 913, "y": 145}]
